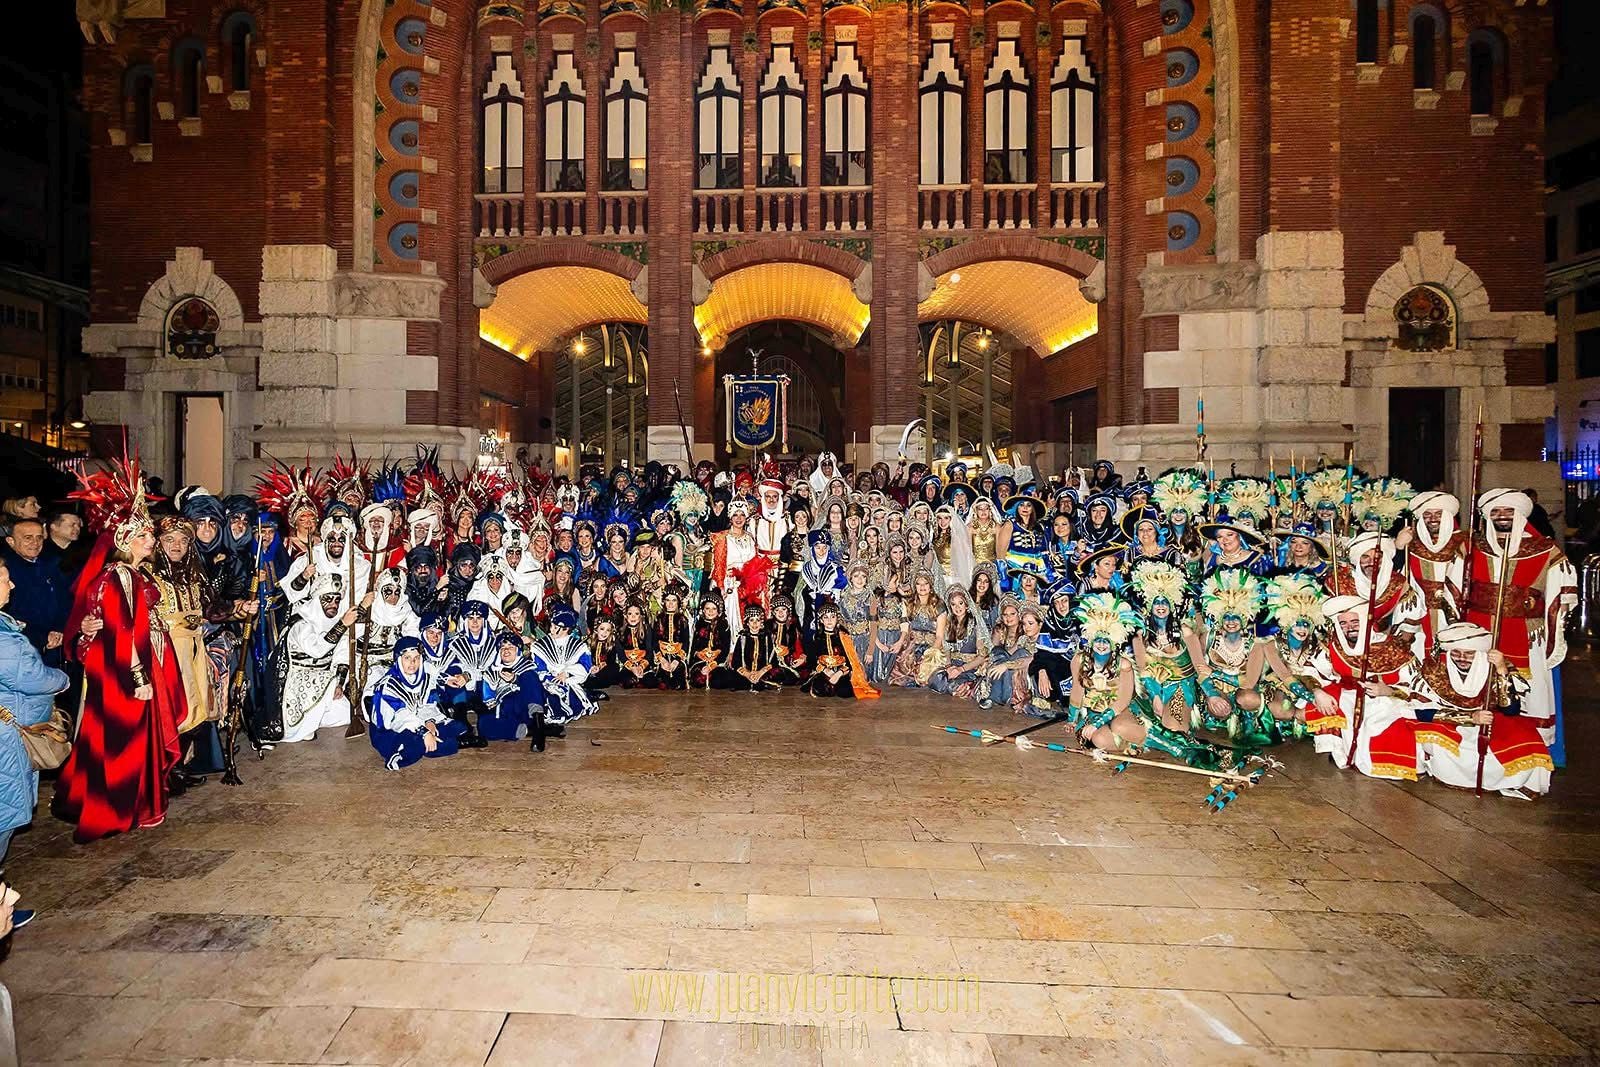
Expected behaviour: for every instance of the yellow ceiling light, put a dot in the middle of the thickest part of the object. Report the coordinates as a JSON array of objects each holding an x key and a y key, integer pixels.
[
  {"x": 533, "y": 312},
  {"x": 772, "y": 291},
  {"x": 1039, "y": 306}
]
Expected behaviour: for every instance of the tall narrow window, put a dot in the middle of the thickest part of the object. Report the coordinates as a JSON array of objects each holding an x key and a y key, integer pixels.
[
  {"x": 563, "y": 127},
  {"x": 845, "y": 160},
  {"x": 139, "y": 89},
  {"x": 1366, "y": 31},
  {"x": 943, "y": 117},
  {"x": 1424, "y": 42},
  {"x": 1486, "y": 57},
  {"x": 717, "y": 123},
  {"x": 780, "y": 125},
  {"x": 1074, "y": 116},
  {"x": 188, "y": 62},
  {"x": 238, "y": 35},
  {"x": 1006, "y": 113},
  {"x": 626, "y": 106},
  {"x": 502, "y": 128}
]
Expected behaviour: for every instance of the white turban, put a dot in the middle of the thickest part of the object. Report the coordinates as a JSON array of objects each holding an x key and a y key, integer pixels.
[{"x": 1435, "y": 501}]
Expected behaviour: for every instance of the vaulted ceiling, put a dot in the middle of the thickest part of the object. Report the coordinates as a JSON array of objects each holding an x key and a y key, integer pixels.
[
  {"x": 1039, "y": 306},
  {"x": 774, "y": 291},
  {"x": 534, "y": 312}
]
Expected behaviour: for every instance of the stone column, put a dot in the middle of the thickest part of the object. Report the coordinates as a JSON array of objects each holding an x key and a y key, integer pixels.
[
  {"x": 894, "y": 344},
  {"x": 667, "y": 47},
  {"x": 335, "y": 366}
]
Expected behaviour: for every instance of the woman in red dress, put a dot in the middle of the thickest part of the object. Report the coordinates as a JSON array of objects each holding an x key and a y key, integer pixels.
[{"x": 133, "y": 699}]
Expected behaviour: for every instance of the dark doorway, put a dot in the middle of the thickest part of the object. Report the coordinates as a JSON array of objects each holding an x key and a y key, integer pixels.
[
  {"x": 1419, "y": 436},
  {"x": 816, "y": 371}
]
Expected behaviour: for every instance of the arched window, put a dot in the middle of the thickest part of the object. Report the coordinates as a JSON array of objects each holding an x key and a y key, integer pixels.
[
  {"x": 845, "y": 159},
  {"x": 502, "y": 128},
  {"x": 139, "y": 94},
  {"x": 238, "y": 35},
  {"x": 1366, "y": 31},
  {"x": 563, "y": 127},
  {"x": 1006, "y": 114},
  {"x": 188, "y": 76},
  {"x": 717, "y": 122},
  {"x": 626, "y": 106},
  {"x": 1486, "y": 70},
  {"x": 1074, "y": 116},
  {"x": 780, "y": 120},
  {"x": 943, "y": 117},
  {"x": 1424, "y": 39}
]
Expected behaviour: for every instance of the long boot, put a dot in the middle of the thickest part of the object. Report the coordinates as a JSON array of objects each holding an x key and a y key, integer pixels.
[
  {"x": 536, "y": 732},
  {"x": 470, "y": 738}
]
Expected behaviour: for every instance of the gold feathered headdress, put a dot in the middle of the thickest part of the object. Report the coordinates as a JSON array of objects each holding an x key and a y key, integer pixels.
[
  {"x": 1291, "y": 598},
  {"x": 1105, "y": 615},
  {"x": 1231, "y": 592},
  {"x": 1181, "y": 489},
  {"x": 1384, "y": 499},
  {"x": 1155, "y": 580},
  {"x": 1323, "y": 488},
  {"x": 1246, "y": 495}
]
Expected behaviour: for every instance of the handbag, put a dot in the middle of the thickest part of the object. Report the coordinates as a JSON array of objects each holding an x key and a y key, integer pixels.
[{"x": 47, "y": 743}]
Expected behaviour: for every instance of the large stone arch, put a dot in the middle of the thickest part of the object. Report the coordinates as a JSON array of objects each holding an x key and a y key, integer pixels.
[
  {"x": 560, "y": 252},
  {"x": 1020, "y": 247},
  {"x": 1429, "y": 261},
  {"x": 788, "y": 249}
]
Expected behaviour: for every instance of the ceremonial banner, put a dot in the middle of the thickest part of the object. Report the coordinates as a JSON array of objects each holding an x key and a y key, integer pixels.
[{"x": 758, "y": 410}]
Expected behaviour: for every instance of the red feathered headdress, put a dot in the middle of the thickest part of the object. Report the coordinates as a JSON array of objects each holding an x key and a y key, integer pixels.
[
  {"x": 289, "y": 490},
  {"x": 425, "y": 484},
  {"x": 114, "y": 500}
]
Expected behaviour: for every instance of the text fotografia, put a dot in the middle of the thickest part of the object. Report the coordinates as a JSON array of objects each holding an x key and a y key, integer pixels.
[
  {"x": 781, "y": 1037},
  {"x": 756, "y": 996}
]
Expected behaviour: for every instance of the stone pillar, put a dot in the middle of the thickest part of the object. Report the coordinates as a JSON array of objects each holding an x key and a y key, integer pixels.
[
  {"x": 1263, "y": 343},
  {"x": 894, "y": 343},
  {"x": 335, "y": 367},
  {"x": 667, "y": 46},
  {"x": 1301, "y": 368}
]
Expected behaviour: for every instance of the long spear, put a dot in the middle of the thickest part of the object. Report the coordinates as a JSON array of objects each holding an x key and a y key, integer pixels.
[
  {"x": 1472, "y": 508},
  {"x": 1366, "y": 651},
  {"x": 1200, "y": 428},
  {"x": 688, "y": 452},
  {"x": 358, "y": 724},
  {"x": 1494, "y": 642},
  {"x": 1098, "y": 755}
]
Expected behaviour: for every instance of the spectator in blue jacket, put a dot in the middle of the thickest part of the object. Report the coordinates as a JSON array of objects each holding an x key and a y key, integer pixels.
[
  {"x": 27, "y": 692},
  {"x": 43, "y": 596}
]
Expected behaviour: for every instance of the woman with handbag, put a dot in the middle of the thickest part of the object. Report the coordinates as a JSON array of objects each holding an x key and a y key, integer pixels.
[{"x": 27, "y": 692}]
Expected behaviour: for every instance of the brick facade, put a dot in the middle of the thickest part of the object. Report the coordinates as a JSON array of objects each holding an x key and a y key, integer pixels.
[{"x": 357, "y": 133}]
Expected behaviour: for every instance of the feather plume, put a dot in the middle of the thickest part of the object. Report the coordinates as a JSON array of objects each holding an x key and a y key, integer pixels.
[
  {"x": 1105, "y": 615},
  {"x": 1231, "y": 592},
  {"x": 1384, "y": 498},
  {"x": 1158, "y": 580},
  {"x": 1181, "y": 489},
  {"x": 1293, "y": 597}
]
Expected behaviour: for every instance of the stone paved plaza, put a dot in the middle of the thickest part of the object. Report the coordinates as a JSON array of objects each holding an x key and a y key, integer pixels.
[{"x": 709, "y": 879}]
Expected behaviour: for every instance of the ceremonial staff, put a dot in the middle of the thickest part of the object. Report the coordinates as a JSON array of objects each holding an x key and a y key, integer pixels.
[
  {"x": 1472, "y": 508},
  {"x": 688, "y": 452},
  {"x": 358, "y": 725},
  {"x": 1366, "y": 650},
  {"x": 1487, "y": 728},
  {"x": 236, "y": 684}
]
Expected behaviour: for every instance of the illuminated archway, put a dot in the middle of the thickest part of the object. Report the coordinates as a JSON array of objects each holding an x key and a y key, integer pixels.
[{"x": 799, "y": 292}]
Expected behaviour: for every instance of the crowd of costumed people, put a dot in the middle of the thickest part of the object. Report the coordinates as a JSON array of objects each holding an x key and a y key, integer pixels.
[{"x": 1196, "y": 620}]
